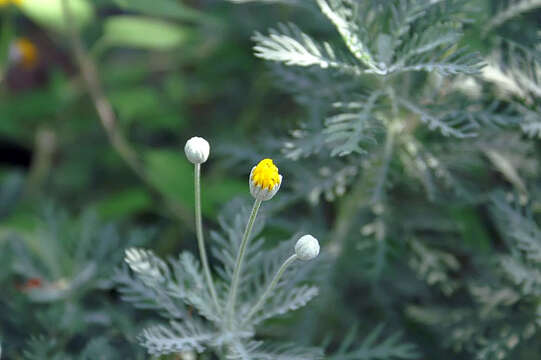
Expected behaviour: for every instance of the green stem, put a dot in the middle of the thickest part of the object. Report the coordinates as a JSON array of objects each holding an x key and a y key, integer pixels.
[
  {"x": 199, "y": 233},
  {"x": 6, "y": 37},
  {"x": 346, "y": 216},
  {"x": 240, "y": 259},
  {"x": 387, "y": 157},
  {"x": 271, "y": 286}
]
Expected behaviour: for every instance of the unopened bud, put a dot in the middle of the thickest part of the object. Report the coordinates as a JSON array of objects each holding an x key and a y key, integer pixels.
[
  {"x": 197, "y": 150},
  {"x": 307, "y": 248}
]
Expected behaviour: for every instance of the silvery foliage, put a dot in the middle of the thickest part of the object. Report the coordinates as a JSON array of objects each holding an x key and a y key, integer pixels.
[
  {"x": 505, "y": 310},
  {"x": 368, "y": 84},
  {"x": 175, "y": 286},
  {"x": 510, "y": 9},
  {"x": 522, "y": 66},
  {"x": 380, "y": 46},
  {"x": 381, "y": 70},
  {"x": 57, "y": 272},
  {"x": 372, "y": 348}
]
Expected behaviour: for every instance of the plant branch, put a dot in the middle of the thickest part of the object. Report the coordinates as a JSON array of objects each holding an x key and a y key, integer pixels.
[
  {"x": 345, "y": 218},
  {"x": 107, "y": 116},
  {"x": 512, "y": 11},
  {"x": 271, "y": 286}
]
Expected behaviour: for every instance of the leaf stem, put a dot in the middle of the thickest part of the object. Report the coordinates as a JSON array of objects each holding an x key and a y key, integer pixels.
[
  {"x": 199, "y": 233},
  {"x": 240, "y": 259},
  {"x": 271, "y": 286}
]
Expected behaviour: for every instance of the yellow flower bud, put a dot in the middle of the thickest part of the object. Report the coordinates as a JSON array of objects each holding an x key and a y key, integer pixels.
[{"x": 265, "y": 180}]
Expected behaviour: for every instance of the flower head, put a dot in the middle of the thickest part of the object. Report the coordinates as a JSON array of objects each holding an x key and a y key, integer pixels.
[
  {"x": 307, "y": 247},
  {"x": 8, "y": 2},
  {"x": 264, "y": 180},
  {"x": 197, "y": 150},
  {"x": 23, "y": 51}
]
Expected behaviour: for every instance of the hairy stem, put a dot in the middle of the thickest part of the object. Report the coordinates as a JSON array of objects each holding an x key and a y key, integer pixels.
[
  {"x": 271, "y": 286},
  {"x": 240, "y": 260},
  {"x": 199, "y": 233}
]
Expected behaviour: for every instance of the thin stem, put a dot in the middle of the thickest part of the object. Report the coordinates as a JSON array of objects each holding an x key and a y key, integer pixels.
[
  {"x": 199, "y": 233},
  {"x": 346, "y": 216},
  {"x": 107, "y": 115},
  {"x": 384, "y": 169},
  {"x": 102, "y": 104},
  {"x": 240, "y": 259},
  {"x": 271, "y": 286},
  {"x": 6, "y": 37},
  {"x": 510, "y": 12},
  {"x": 45, "y": 146}
]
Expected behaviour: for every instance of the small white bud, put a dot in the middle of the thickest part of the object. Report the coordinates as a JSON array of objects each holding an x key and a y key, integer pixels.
[
  {"x": 197, "y": 150},
  {"x": 307, "y": 247}
]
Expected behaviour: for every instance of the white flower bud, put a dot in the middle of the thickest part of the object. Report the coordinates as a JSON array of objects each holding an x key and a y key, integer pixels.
[
  {"x": 197, "y": 150},
  {"x": 307, "y": 248}
]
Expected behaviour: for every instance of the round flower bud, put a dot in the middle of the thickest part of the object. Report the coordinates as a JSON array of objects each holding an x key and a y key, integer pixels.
[
  {"x": 197, "y": 150},
  {"x": 265, "y": 180},
  {"x": 307, "y": 248}
]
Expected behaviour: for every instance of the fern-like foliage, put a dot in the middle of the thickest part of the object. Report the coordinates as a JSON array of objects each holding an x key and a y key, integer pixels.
[
  {"x": 291, "y": 46},
  {"x": 69, "y": 259},
  {"x": 510, "y": 9},
  {"x": 406, "y": 36},
  {"x": 41, "y": 348},
  {"x": 174, "y": 286},
  {"x": 177, "y": 337},
  {"x": 503, "y": 313},
  {"x": 61, "y": 269},
  {"x": 258, "y": 351},
  {"x": 522, "y": 67},
  {"x": 374, "y": 347},
  {"x": 428, "y": 48},
  {"x": 523, "y": 235},
  {"x": 354, "y": 125}
]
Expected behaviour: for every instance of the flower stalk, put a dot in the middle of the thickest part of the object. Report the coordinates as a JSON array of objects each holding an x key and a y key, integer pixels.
[
  {"x": 199, "y": 233},
  {"x": 271, "y": 286},
  {"x": 240, "y": 259}
]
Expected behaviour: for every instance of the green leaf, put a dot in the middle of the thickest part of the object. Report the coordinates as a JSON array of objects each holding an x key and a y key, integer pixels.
[
  {"x": 136, "y": 102},
  {"x": 163, "y": 8},
  {"x": 124, "y": 203},
  {"x": 143, "y": 33},
  {"x": 22, "y": 111},
  {"x": 50, "y": 14},
  {"x": 471, "y": 228},
  {"x": 6, "y": 35},
  {"x": 171, "y": 174},
  {"x": 217, "y": 193}
]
